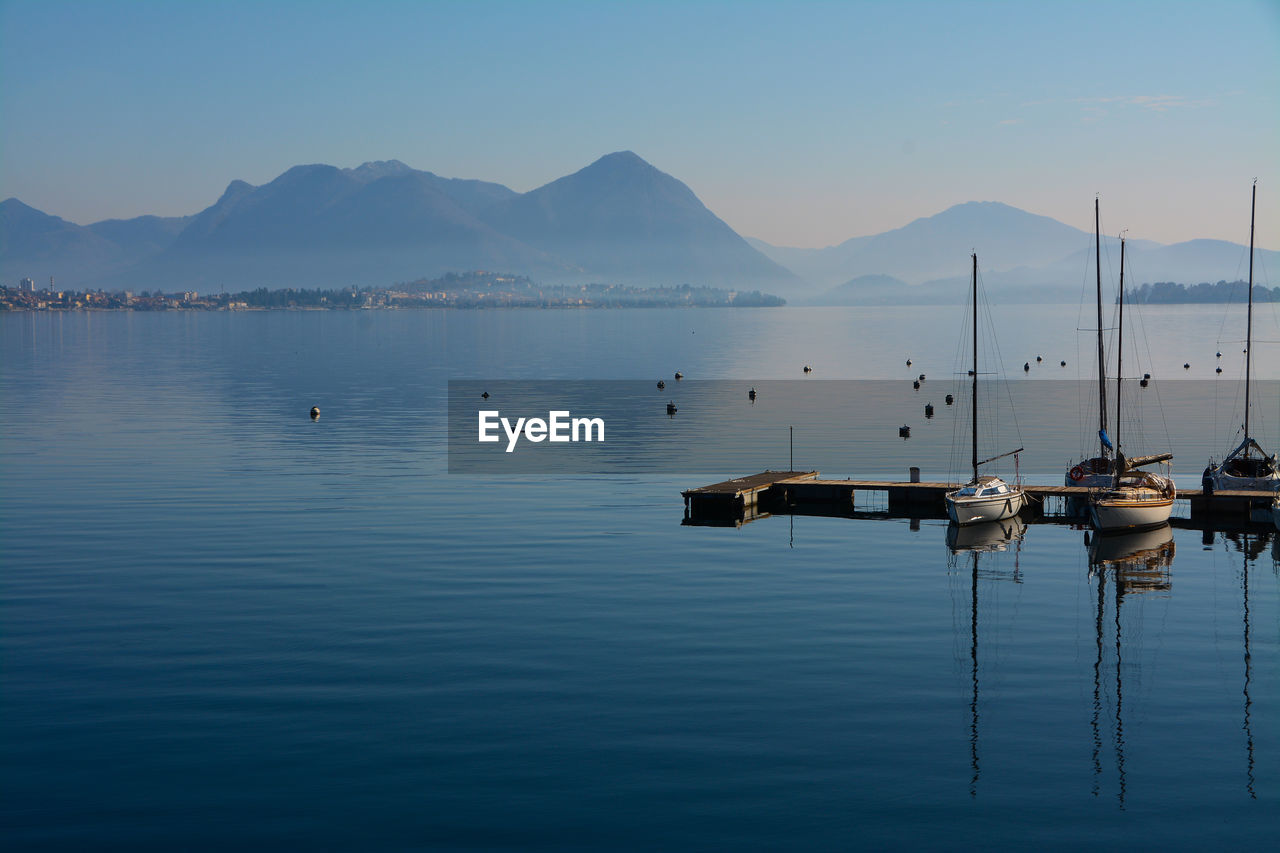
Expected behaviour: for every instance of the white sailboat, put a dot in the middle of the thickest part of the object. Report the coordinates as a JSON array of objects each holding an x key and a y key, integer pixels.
[
  {"x": 1096, "y": 472},
  {"x": 1132, "y": 499},
  {"x": 1248, "y": 466},
  {"x": 984, "y": 498}
]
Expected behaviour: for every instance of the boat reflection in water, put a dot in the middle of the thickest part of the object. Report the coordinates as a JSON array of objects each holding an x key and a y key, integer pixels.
[
  {"x": 1139, "y": 562},
  {"x": 992, "y": 536},
  {"x": 975, "y": 540}
]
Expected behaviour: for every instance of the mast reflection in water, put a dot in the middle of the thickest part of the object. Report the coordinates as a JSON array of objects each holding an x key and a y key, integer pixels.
[
  {"x": 989, "y": 538},
  {"x": 1250, "y": 548},
  {"x": 1139, "y": 562}
]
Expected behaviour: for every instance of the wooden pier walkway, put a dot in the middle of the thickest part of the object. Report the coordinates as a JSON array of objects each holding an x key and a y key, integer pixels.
[{"x": 759, "y": 493}]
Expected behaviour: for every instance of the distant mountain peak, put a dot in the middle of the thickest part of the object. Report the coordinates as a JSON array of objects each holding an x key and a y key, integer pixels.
[
  {"x": 619, "y": 160},
  {"x": 379, "y": 169},
  {"x": 15, "y": 204},
  {"x": 235, "y": 191}
]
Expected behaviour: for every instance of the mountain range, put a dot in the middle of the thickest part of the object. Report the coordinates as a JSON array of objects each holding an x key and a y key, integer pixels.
[{"x": 617, "y": 220}]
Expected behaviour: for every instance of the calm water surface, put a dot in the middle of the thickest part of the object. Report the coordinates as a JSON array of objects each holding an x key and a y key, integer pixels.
[{"x": 225, "y": 625}]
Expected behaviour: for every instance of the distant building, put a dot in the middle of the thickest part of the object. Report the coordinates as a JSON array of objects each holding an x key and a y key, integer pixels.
[{"x": 26, "y": 286}]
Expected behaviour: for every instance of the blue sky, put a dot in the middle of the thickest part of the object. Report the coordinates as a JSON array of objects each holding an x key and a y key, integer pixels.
[{"x": 802, "y": 124}]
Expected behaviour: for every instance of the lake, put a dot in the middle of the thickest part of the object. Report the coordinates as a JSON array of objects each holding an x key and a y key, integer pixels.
[{"x": 225, "y": 624}]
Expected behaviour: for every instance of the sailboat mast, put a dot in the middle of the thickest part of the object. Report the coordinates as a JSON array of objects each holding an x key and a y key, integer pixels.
[
  {"x": 1102, "y": 363},
  {"x": 975, "y": 367},
  {"x": 1119, "y": 356},
  {"x": 1248, "y": 345}
]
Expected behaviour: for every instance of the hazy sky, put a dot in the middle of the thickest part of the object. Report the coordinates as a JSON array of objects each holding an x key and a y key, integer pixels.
[{"x": 802, "y": 124}]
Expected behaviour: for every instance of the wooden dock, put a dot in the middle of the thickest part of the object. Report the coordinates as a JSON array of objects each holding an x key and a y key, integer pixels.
[
  {"x": 736, "y": 496},
  {"x": 771, "y": 491}
]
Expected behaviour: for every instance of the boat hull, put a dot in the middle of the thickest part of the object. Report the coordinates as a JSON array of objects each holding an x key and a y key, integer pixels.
[
  {"x": 1223, "y": 482},
  {"x": 1128, "y": 513},
  {"x": 979, "y": 510}
]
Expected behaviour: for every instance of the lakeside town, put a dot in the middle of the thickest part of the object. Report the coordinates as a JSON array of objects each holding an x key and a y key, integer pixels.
[{"x": 477, "y": 289}]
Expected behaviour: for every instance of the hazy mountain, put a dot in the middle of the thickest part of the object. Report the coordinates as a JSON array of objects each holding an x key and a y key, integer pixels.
[
  {"x": 36, "y": 245},
  {"x": 934, "y": 246},
  {"x": 865, "y": 290},
  {"x": 619, "y": 219},
  {"x": 321, "y": 226},
  {"x": 142, "y": 236},
  {"x": 623, "y": 220},
  {"x": 1023, "y": 258}
]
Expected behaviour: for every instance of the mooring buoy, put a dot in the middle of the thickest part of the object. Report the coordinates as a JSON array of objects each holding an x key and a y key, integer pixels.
[
  {"x": 315, "y": 412},
  {"x": 485, "y": 395},
  {"x": 904, "y": 431},
  {"x": 928, "y": 410},
  {"x": 661, "y": 385},
  {"x": 950, "y": 399},
  {"x": 751, "y": 395},
  {"x": 679, "y": 376},
  {"x": 671, "y": 409},
  {"x": 916, "y": 385}
]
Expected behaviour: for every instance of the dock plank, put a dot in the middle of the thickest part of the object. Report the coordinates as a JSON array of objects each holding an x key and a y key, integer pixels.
[{"x": 755, "y": 482}]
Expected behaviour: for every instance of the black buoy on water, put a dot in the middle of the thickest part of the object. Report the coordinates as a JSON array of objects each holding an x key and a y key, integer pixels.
[
  {"x": 1219, "y": 355},
  {"x": 1146, "y": 376},
  {"x": 921, "y": 377},
  {"x": 671, "y": 409},
  {"x": 1026, "y": 367},
  {"x": 904, "y": 431},
  {"x": 950, "y": 399},
  {"x": 679, "y": 376},
  {"x": 916, "y": 385},
  {"x": 1186, "y": 366},
  {"x": 485, "y": 395},
  {"x": 1039, "y": 359},
  {"x": 751, "y": 395},
  {"x": 1062, "y": 363},
  {"x": 908, "y": 362},
  {"x": 1219, "y": 370},
  {"x": 315, "y": 412},
  {"x": 661, "y": 385},
  {"x": 808, "y": 369},
  {"x": 1144, "y": 382},
  {"x": 928, "y": 410}
]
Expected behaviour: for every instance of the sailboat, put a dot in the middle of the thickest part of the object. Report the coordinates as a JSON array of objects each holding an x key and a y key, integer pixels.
[
  {"x": 1132, "y": 499},
  {"x": 1095, "y": 473},
  {"x": 1242, "y": 469},
  {"x": 984, "y": 498}
]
